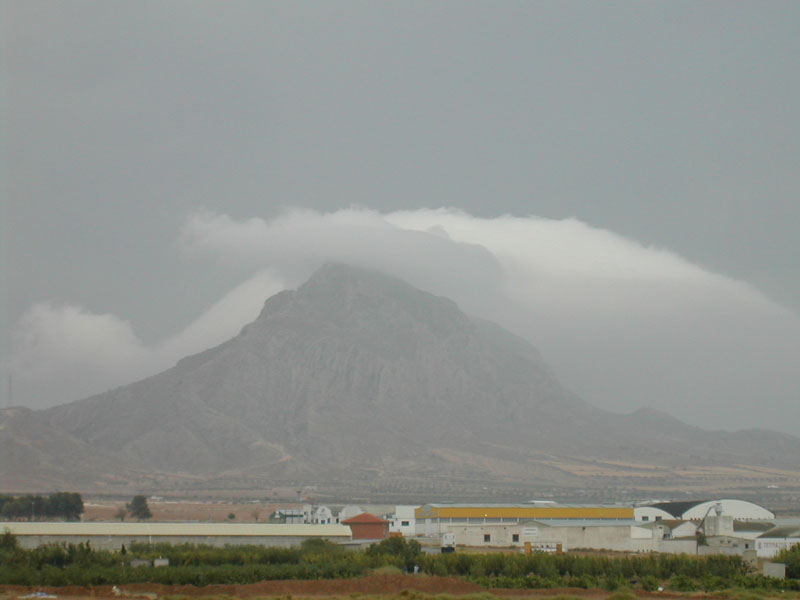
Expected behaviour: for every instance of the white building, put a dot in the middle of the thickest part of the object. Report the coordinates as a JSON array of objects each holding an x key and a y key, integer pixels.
[
  {"x": 348, "y": 512},
  {"x": 769, "y": 544},
  {"x": 292, "y": 516},
  {"x": 697, "y": 510},
  {"x": 404, "y": 520},
  {"x": 572, "y": 534},
  {"x": 672, "y": 528},
  {"x": 322, "y": 516}
]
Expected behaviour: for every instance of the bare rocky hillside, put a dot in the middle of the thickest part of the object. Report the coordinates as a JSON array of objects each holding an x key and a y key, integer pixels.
[{"x": 358, "y": 376}]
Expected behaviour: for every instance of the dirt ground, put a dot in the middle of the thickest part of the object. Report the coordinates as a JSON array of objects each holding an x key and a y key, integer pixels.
[
  {"x": 181, "y": 511},
  {"x": 373, "y": 584},
  {"x": 378, "y": 585}
]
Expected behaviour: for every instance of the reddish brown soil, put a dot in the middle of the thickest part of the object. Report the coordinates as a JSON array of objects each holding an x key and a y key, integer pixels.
[
  {"x": 187, "y": 511},
  {"x": 373, "y": 584}
]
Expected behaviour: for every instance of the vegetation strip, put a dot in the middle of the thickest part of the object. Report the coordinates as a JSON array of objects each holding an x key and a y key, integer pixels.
[{"x": 197, "y": 565}]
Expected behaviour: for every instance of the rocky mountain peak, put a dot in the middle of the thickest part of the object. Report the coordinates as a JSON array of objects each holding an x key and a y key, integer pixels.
[{"x": 357, "y": 373}]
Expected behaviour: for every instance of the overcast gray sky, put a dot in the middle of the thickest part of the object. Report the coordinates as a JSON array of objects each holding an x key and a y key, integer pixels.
[{"x": 151, "y": 151}]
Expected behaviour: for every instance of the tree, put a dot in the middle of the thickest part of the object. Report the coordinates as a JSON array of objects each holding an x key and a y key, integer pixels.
[
  {"x": 138, "y": 508},
  {"x": 121, "y": 513},
  {"x": 68, "y": 505}
]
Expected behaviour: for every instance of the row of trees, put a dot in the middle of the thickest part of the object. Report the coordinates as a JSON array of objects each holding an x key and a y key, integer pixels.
[
  {"x": 321, "y": 559},
  {"x": 60, "y": 505}
]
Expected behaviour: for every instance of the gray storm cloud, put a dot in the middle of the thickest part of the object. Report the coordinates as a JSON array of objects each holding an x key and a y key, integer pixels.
[{"x": 623, "y": 324}]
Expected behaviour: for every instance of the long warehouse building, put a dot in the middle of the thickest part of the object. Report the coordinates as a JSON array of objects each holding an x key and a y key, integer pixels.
[
  {"x": 434, "y": 519},
  {"x": 112, "y": 536}
]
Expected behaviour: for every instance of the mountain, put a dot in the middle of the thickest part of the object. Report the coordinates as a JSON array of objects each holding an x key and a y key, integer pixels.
[
  {"x": 357, "y": 376},
  {"x": 36, "y": 455}
]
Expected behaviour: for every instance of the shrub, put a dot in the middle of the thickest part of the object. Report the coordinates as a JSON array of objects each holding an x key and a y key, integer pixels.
[
  {"x": 649, "y": 583},
  {"x": 682, "y": 583}
]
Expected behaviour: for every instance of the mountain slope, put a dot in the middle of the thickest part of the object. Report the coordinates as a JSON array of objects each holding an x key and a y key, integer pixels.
[
  {"x": 353, "y": 366},
  {"x": 357, "y": 373},
  {"x": 36, "y": 455}
]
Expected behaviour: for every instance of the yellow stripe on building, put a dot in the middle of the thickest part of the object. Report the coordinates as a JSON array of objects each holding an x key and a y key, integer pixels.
[{"x": 523, "y": 512}]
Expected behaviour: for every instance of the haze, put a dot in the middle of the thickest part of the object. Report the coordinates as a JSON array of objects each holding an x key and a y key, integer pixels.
[{"x": 616, "y": 182}]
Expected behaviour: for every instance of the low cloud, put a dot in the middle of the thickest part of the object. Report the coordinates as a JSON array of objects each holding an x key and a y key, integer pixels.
[
  {"x": 63, "y": 353},
  {"x": 623, "y": 324}
]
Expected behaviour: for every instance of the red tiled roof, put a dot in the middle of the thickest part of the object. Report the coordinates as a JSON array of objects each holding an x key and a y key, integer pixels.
[{"x": 363, "y": 518}]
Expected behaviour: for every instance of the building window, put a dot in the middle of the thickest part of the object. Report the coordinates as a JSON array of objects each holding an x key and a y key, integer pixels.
[
  {"x": 645, "y": 518},
  {"x": 403, "y": 523},
  {"x": 487, "y": 537},
  {"x": 514, "y": 537},
  {"x": 658, "y": 518}
]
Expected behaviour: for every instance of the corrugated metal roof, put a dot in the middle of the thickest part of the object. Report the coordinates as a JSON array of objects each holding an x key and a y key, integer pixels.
[
  {"x": 789, "y": 532},
  {"x": 752, "y": 525},
  {"x": 176, "y": 529}
]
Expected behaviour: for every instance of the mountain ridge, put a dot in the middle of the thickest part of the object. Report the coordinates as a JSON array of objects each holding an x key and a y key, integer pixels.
[{"x": 358, "y": 373}]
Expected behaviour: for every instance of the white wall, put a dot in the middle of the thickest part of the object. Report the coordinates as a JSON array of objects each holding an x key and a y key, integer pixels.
[
  {"x": 769, "y": 547},
  {"x": 404, "y": 520},
  {"x": 650, "y": 513},
  {"x": 322, "y": 515},
  {"x": 348, "y": 512},
  {"x": 739, "y": 510},
  {"x": 625, "y": 538},
  {"x": 687, "y": 529}
]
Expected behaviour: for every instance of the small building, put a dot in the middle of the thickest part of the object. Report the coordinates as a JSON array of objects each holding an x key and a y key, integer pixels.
[
  {"x": 771, "y": 569},
  {"x": 403, "y": 520},
  {"x": 671, "y": 529},
  {"x": 769, "y": 544},
  {"x": 368, "y": 527},
  {"x": 730, "y": 545},
  {"x": 293, "y": 516},
  {"x": 322, "y": 516}
]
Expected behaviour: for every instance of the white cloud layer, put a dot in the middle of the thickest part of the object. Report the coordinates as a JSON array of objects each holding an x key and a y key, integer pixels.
[
  {"x": 624, "y": 325},
  {"x": 64, "y": 353}
]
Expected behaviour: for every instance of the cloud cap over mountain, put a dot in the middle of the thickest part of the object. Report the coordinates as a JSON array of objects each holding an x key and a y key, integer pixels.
[{"x": 623, "y": 324}]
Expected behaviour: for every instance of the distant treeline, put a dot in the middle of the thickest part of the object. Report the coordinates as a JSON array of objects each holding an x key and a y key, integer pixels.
[
  {"x": 60, "y": 505},
  {"x": 70, "y": 564}
]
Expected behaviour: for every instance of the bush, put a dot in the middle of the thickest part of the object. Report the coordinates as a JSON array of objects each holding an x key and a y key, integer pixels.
[
  {"x": 682, "y": 583},
  {"x": 649, "y": 583},
  {"x": 613, "y": 582}
]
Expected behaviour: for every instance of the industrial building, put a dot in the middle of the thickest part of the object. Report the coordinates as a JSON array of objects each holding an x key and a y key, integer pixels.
[
  {"x": 769, "y": 544},
  {"x": 697, "y": 510},
  {"x": 113, "y": 535},
  {"x": 435, "y": 519},
  {"x": 565, "y": 535}
]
